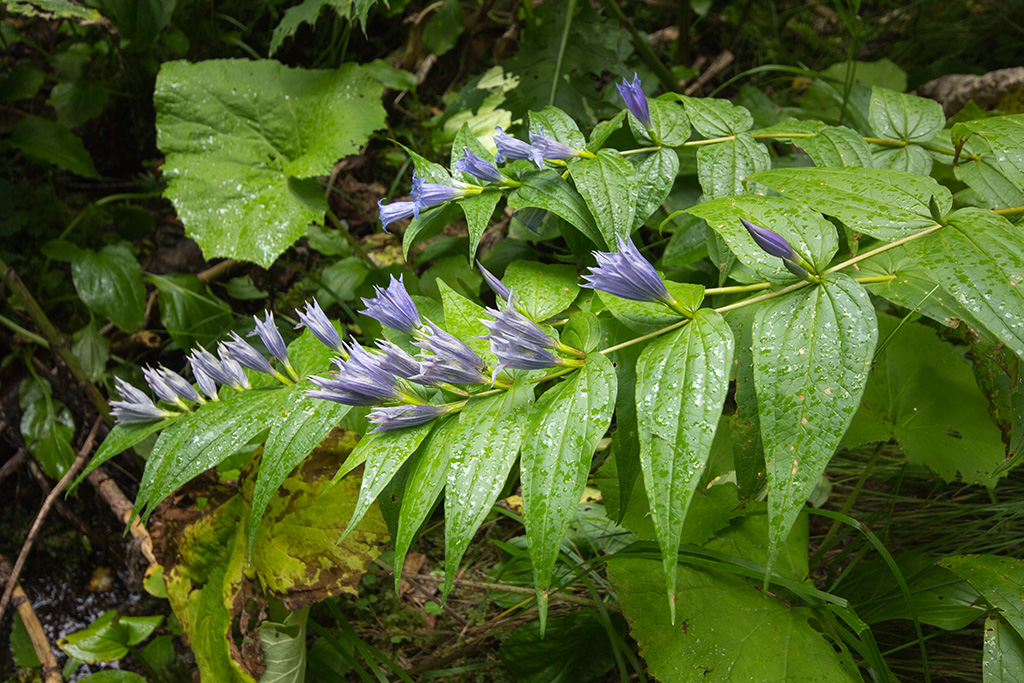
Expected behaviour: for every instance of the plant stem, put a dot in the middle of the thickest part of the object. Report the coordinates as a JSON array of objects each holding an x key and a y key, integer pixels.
[
  {"x": 640, "y": 150},
  {"x": 884, "y": 247},
  {"x": 737, "y": 289},
  {"x": 352, "y": 241},
  {"x": 1012, "y": 209},
  {"x": 7, "y": 322}
]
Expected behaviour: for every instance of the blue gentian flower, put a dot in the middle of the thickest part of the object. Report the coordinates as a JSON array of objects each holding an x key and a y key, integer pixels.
[
  {"x": 180, "y": 386},
  {"x": 316, "y": 321},
  {"x": 478, "y": 167},
  {"x": 359, "y": 381},
  {"x": 448, "y": 360},
  {"x": 159, "y": 386},
  {"x": 494, "y": 283},
  {"x": 203, "y": 361},
  {"x": 136, "y": 406},
  {"x": 636, "y": 101},
  {"x": 408, "y": 415},
  {"x": 770, "y": 241},
  {"x": 393, "y": 307},
  {"x": 510, "y": 147},
  {"x": 243, "y": 353},
  {"x": 271, "y": 337},
  {"x": 425, "y": 195},
  {"x": 205, "y": 382},
  {"x": 396, "y": 361},
  {"x": 517, "y": 342},
  {"x": 131, "y": 393},
  {"x": 543, "y": 147},
  {"x": 627, "y": 275},
  {"x": 395, "y": 211},
  {"x": 232, "y": 368}
]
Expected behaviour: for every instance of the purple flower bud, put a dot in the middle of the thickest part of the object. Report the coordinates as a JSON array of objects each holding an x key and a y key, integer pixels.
[
  {"x": 448, "y": 361},
  {"x": 155, "y": 380},
  {"x": 205, "y": 382},
  {"x": 395, "y": 211},
  {"x": 510, "y": 147},
  {"x": 316, "y": 321},
  {"x": 771, "y": 242},
  {"x": 425, "y": 195},
  {"x": 517, "y": 342},
  {"x": 232, "y": 368},
  {"x": 180, "y": 386},
  {"x": 478, "y": 167},
  {"x": 243, "y": 353},
  {"x": 627, "y": 275},
  {"x": 136, "y": 406},
  {"x": 543, "y": 147},
  {"x": 396, "y": 361},
  {"x": 270, "y": 336},
  {"x": 494, "y": 283},
  {"x": 393, "y": 307},
  {"x": 131, "y": 393},
  {"x": 636, "y": 101},
  {"x": 408, "y": 415},
  {"x": 359, "y": 381},
  {"x": 202, "y": 361}
]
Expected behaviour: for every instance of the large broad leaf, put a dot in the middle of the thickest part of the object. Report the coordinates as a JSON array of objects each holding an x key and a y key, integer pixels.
[
  {"x": 543, "y": 289},
  {"x": 900, "y": 116},
  {"x": 189, "y": 310},
  {"x": 884, "y": 204},
  {"x": 608, "y": 185},
  {"x": 999, "y": 579},
  {"x": 727, "y": 629},
  {"x": 108, "y": 638},
  {"x": 547, "y": 190},
  {"x": 924, "y": 395},
  {"x": 109, "y": 282},
  {"x": 244, "y": 140},
  {"x": 987, "y": 177},
  {"x": 807, "y": 232},
  {"x": 646, "y": 316},
  {"x": 713, "y": 117},
  {"x": 50, "y": 142},
  {"x": 812, "y": 355},
  {"x": 979, "y": 259},
  {"x": 47, "y": 428},
  {"x": 681, "y": 383},
  {"x": 559, "y": 439},
  {"x": 655, "y": 174},
  {"x": 910, "y": 159},
  {"x": 1005, "y": 134},
  {"x": 483, "y": 445},
  {"x": 1003, "y": 656},
  {"x": 284, "y": 648},
  {"x": 723, "y": 167},
  {"x": 837, "y": 146}
]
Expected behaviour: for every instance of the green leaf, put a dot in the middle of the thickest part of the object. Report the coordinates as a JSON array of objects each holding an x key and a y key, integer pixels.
[
  {"x": 1005, "y": 134},
  {"x": 910, "y": 159},
  {"x": 113, "y": 675},
  {"x": 244, "y": 289},
  {"x": 810, "y": 235},
  {"x": 53, "y": 9},
  {"x": 924, "y": 395},
  {"x": 608, "y": 186},
  {"x": 979, "y": 259},
  {"x": 484, "y": 445},
  {"x": 284, "y": 648},
  {"x": 462, "y": 319},
  {"x": 656, "y": 174},
  {"x": 47, "y": 428},
  {"x": 714, "y": 117},
  {"x": 426, "y": 480},
  {"x": 122, "y": 437},
  {"x": 681, "y": 382},
  {"x": 77, "y": 101},
  {"x": 884, "y": 204},
  {"x": 603, "y": 130},
  {"x": 92, "y": 351},
  {"x": 109, "y": 282},
  {"x": 557, "y": 125},
  {"x": 559, "y": 438},
  {"x": 190, "y": 311},
  {"x": 986, "y": 177},
  {"x": 1003, "y": 655},
  {"x": 547, "y": 190},
  {"x": 478, "y": 210},
  {"x": 543, "y": 289},
  {"x": 341, "y": 279},
  {"x": 327, "y": 241},
  {"x": 239, "y": 137},
  {"x": 308, "y": 12},
  {"x": 999, "y": 579},
  {"x": 52, "y": 143},
  {"x": 898, "y": 116},
  {"x": 645, "y": 317},
  {"x": 668, "y": 120},
  {"x": 574, "y": 647},
  {"x": 723, "y": 167},
  {"x": 812, "y": 354},
  {"x": 109, "y": 637},
  {"x": 296, "y": 555},
  {"x": 22, "y": 650},
  {"x": 837, "y": 146}
]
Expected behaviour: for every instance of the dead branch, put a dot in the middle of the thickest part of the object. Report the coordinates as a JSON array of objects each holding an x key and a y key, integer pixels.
[
  {"x": 29, "y": 619},
  {"x": 119, "y": 504}
]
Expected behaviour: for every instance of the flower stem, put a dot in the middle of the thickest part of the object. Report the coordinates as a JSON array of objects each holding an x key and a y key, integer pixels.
[
  {"x": 736, "y": 289},
  {"x": 1012, "y": 209},
  {"x": 639, "y": 150},
  {"x": 884, "y": 247}
]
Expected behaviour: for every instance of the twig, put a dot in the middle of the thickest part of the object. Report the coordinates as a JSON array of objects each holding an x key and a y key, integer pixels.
[
  {"x": 63, "y": 508},
  {"x": 29, "y": 619},
  {"x": 119, "y": 504},
  {"x": 13, "y": 462},
  {"x": 44, "y": 510},
  {"x": 717, "y": 66}
]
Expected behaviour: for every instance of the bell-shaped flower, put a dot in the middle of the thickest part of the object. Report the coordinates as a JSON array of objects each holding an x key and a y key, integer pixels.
[
  {"x": 159, "y": 386},
  {"x": 396, "y": 361},
  {"x": 478, "y": 167},
  {"x": 406, "y": 415},
  {"x": 543, "y": 147},
  {"x": 393, "y": 307},
  {"x": 271, "y": 337},
  {"x": 180, "y": 386},
  {"x": 627, "y": 275},
  {"x": 769, "y": 241},
  {"x": 518, "y": 342},
  {"x": 496, "y": 285},
  {"x": 359, "y": 381},
  {"x": 205, "y": 382},
  {"x": 136, "y": 406},
  {"x": 636, "y": 101},
  {"x": 448, "y": 360},
  {"x": 510, "y": 147},
  {"x": 243, "y": 353},
  {"x": 202, "y": 361},
  {"x": 316, "y": 321},
  {"x": 425, "y": 195},
  {"x": 395, "y": 211}
]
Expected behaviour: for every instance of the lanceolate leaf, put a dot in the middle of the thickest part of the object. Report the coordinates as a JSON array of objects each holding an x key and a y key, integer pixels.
[
  {"x": 609, "y": 187},
  {"x": 884, "y": 204},
  {"x": 812, "y": 354},
  {"x": 478, "y": 210},
  {"x": 484, "y": 445},
  {"x": 682, "y": 379},
  {"x": 121, "y": 438},
  {"x": 244, "y": 141},
  {"x": 560, "y": 436},
  {"x": 979, "y": 259},
  {"x": 724, "y": 166},
  {"x": 547, "y": 190}
]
